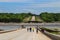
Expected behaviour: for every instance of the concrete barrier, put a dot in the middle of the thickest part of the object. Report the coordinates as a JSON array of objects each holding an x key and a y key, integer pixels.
[
  {"x": 9, "y": 31},
  {"x": 6, "y": 31},
  {"x": 53, "y": 36}
]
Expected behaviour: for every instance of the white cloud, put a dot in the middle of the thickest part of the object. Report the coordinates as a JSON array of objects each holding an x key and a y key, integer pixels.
[
  {"x": 33, "y": 4},
  {"x": 54, "y": 4},
  {"x": 16, "y": 0}
]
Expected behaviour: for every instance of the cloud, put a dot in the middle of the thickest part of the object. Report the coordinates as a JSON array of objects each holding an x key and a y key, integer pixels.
[
  {"x": 53, "y": 4},
  {"x": 11, "y": 0},
  {"x": 16, "y": 0},
  {"x": 29, "y": 7}
]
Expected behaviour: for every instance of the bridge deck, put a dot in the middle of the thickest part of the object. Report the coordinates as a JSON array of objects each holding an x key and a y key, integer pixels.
[{"x": 23, "y": 35}]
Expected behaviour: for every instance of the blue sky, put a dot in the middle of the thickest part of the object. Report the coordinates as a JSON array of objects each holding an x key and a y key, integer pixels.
[{"x": 33, "y": 6}]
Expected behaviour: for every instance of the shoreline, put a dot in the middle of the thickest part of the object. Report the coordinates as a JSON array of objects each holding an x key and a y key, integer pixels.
[{"x": 24, "y": 23}]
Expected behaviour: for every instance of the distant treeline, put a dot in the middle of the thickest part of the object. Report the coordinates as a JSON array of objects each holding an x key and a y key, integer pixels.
[
  {"x": 13, "y": 17},
  {"x": 50, "y": 17},
  {"x": 19, "y": 17}
]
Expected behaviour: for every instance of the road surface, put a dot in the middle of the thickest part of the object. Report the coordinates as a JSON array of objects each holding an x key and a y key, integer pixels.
[
  {"x": 33, "y": 18},
  {"x": 23, "y": 35}
]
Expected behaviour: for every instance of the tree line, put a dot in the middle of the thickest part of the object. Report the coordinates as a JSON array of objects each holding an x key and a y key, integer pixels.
[
  {"x": 50, "y": 17},
  {"x": 13, "y": 17},
  {"x": 19, "y": 17}
]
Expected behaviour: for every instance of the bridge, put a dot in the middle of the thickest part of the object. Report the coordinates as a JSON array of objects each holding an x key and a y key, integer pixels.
[{"x": 22, "y": 34}]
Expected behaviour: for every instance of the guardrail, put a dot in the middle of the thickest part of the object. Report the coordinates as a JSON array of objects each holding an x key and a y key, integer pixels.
[
  {"x": 6, "y": 31},
  {"x": 9, "y": 31},
  {"x": 52, "y": 36}
]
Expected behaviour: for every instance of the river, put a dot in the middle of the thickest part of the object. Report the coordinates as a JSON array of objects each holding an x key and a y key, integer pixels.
[
  {"x": 9, "y": 27},
  {"x": 17, "y": 26}
]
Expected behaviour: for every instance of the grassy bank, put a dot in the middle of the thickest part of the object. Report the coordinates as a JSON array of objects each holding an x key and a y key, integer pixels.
[
  {"x": 27, "y": 19},
  {"x": 55, "y": 31},
  {"x": 37, "y": 18}
]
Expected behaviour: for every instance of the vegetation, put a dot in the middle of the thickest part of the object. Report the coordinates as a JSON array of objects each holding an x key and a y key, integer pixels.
[
  {"x": 55, "y": 31},
  {"x": 27, "y": 19},
  {"x": 30, "y": 18},
  {"x": 13, "y": 17},
  {"x": 19, "y": 17},
  {"x": 37, "y": 18},
  {"x": 50, "y": 17}
]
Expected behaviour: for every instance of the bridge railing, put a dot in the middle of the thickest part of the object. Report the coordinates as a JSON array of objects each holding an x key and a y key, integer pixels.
[
  {"x": 41, "y": 24},
  {"x": 50, "y": 35}
]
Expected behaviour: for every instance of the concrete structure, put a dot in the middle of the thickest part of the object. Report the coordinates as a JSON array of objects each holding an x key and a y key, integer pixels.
[{"x": 22, "y": 34}]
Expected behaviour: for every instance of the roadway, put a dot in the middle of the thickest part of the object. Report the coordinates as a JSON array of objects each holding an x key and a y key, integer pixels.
[
  {"x": 33, "y": 18},
  {"x": 23, "y": 35}
]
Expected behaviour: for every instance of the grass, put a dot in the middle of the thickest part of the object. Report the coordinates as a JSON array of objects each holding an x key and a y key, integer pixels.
[
  {"x": 55, "y": 31},
  {"x": 27, "y": 19},
  {"x": 30, "y": 18},
  {"x": 37, "y": 18},
  {"x": 58, "y": 33}
]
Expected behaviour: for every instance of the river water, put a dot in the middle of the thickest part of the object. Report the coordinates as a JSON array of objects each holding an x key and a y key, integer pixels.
[
  {"x": 16, "y": 27},
  {"x": 9, "y": 27}
]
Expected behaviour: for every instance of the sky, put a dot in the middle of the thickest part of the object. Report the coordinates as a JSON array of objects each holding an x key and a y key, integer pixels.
[{"x": 33, "y": 6}]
